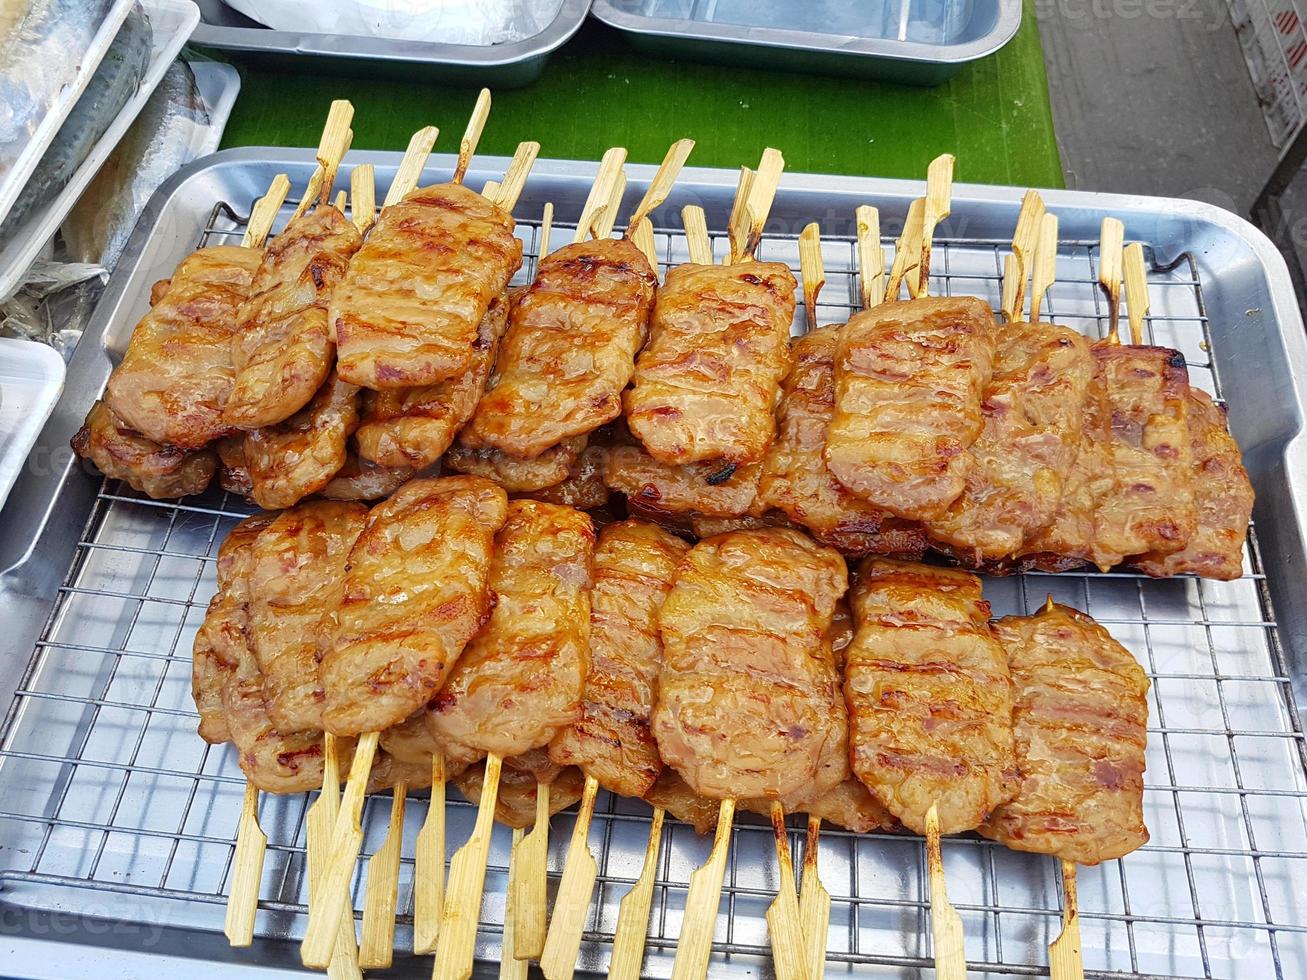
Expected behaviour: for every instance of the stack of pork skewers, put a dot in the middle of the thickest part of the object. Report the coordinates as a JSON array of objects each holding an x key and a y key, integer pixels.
[{"x": 389, "y": 645}]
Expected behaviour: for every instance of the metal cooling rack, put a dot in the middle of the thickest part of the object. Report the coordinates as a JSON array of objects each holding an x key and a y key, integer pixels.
[{"x": 112, "y": 807}]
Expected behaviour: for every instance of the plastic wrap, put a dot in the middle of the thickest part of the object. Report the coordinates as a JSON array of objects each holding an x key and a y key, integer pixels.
[{"x": 478, "y": 22}]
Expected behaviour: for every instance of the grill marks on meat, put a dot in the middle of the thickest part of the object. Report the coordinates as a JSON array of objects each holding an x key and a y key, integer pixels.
[
  {"x": 909, "y": 379},
  {"x": 174, "y": 380},
  {"x": 705, "y": 384},
  {"x": 1143, "y": 498},
  {"x": 296, "y": 458},
  {"x": 1017, "y": 468},
  {"x": 1080, "y": 719},
  {"x": 296, "y": 576},
  {"x": 711, "y": 489},
  {"x": 283, "y": 351},
  {"x": 634, "y": 566},
  {"x": 569, "y": 350},
  {"x": 1223, "y": 497},
  {"x": 520, "y": 679},
  {"x": 416, "y": 590},
  {"x": 549, "y": 469},
  {"x": 412, "y": 427},
  {"x": 407, "y": 312},
  {"x": 748, "y": 684},
  {"x": 121, "y": 453},
  {"x": 929, "y": 697},
  {"x": 794, "y": 477}
]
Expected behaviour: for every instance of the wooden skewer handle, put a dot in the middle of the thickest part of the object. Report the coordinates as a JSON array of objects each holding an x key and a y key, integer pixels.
[
  {"x": 701, "y": 902},
  {"x": 633, "y": 913},
  {"x": 814, "y": 906},
  {"x": 429, "y": 866},
  {"x": 377, "y": 949},
  {"x": 529, "y": 895},
  {"x": 789, "y": 957},
  {"x": 1065, "y": 957},
  {"x": 945, "y": 923},
  {"x": 572, "y": 903},
  {"x": 247, "y": 872},
  {"x": 511, "y": 968}
]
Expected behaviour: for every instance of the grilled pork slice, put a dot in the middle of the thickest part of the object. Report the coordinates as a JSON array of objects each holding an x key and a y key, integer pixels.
[
  {"x": 412, "y": 427},
  {"x": 671, "y": 793},
  {"x": 929, "y": 696},
  {"x": 520, "y": 679},
  {"x": 298, "y": 457},
  {"x": 360, "y": 479},
  {"x": 709, "y": 489},
  {"x": 549, "y": 469},
  {"x": 406, "y": 313},
  {"x": 705, "y": 385},
  {"x": 569, "y": 350},
  {"x": 416, "y": 590},
  {"x": 283, "y": 350},
  {"x": 1017, "y": 469},
  {"x": 173, "y": 383},
  {"x": 748, "y": 688},
  {"x": 1222, "y": 494},
  {"x": 223, "y": 637},
  {"x": 584, "y": 486},
  {"x": 634, "y": 566},
  {"x": 909, "y": 379},
  {"x": 519, "y": 779},
  {"x": 794, "y": 478},
  {"x": 1080, "y": 718},
  {"x": 1144, "y": 497},
  {"x": 296, "y": 576},
  {"x": 121, "y": 453}
]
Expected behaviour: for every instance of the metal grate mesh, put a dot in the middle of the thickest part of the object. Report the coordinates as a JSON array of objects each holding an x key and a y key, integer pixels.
[{"x": 105, "y": 787}]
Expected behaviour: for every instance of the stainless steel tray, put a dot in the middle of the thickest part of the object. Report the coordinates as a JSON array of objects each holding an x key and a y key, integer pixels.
[
  {"x": 500, "y": 65},
  {"x": 919, "y": 42},
  {"x": 117, "y": 821}
]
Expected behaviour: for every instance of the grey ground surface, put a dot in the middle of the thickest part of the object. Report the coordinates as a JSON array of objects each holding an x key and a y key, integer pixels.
[{"x": 1153, "y": 97}]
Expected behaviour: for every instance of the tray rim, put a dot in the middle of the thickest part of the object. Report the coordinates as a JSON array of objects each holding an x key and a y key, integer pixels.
[
  {"x": 263, "y": 40},
  {"x": 1006, "y": 25},
  {"x": 53, "y": 372}
]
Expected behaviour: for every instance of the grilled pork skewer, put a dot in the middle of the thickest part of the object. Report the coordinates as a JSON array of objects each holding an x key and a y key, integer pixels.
[
  {"x": 938, "y": 770},
  {"x": 1223, "y": 495},
  {"x": 574, "y": 333},
  {"x": 282, "y": 352},
  {"x": 420, "y": 572},
  {"x": 1033, "y": 409},
  {"x": 407, "y": 311},
  {"x": 909, "y": 379},
  {"x": 517, "y": 684},
  {"x": 634, "y": 566},
  {"x": 747, "y": 704},
  {"x": 174, "y": 380},
  {"x": 705, "y": 384},
  {"x": 1080, "y": 721}
]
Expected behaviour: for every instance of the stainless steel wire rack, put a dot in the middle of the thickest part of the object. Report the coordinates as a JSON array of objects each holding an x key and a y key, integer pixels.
[{"x": 112, "y": 809}]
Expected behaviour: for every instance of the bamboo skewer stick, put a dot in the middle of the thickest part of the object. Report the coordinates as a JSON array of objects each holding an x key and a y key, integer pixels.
[
  {"x": 410, "y": 167},
  {"x": 907, "y": 251},
  {"x": 335, "y": 142},
  {"x": 661, "y": 185},
  {"x": 871, "y": 258},
  {"x": 467, "y": 881},
  {"x": 939, "y": 191},
  {"x": 1110, "y": 237},
  {"x": 783, "y": 925},
  {"x": 511, "y": 968},
  {"x": 1024, "y": 242},
  {"x": 347, "y": 839},
  {"x": 363, "y": 196},
  {"x": 467, "y": 146},
  {"x": 1136, "y": 291},
  {"x": 528, "y": 896},
  {"x": 641, "y": 234},
  {"x": 737, "y": 226},
  {"x": 251, "y": 842},
  {"x": 945, "y": 923},
  {"x": 633, "y": 912},
  {"x": 1009, "y": 302},
  {"x": 318, "y": 826},
  {"x": 429, "y": 865},
  {"x": 696, "y": 234},
  {"x": 575, "y": 889},
  {"x": 1065, "y": 956},
  {"x": 603, "y": 225},
  {"x": 519, "y": 168},
  {"x": 701, "y": 901},
  {"x": 757, "y": 205},
  {"x": 1045, "y": 264},
  {"x": 812, "y": 271},
  {"x": 377, "y": 948},
  {"x": 598, "y": 201},
  {"x": 814, "y": 906}
]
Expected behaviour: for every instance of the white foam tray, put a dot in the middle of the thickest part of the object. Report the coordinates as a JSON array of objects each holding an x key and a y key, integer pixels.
[{"x": 31, "y": 380}]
